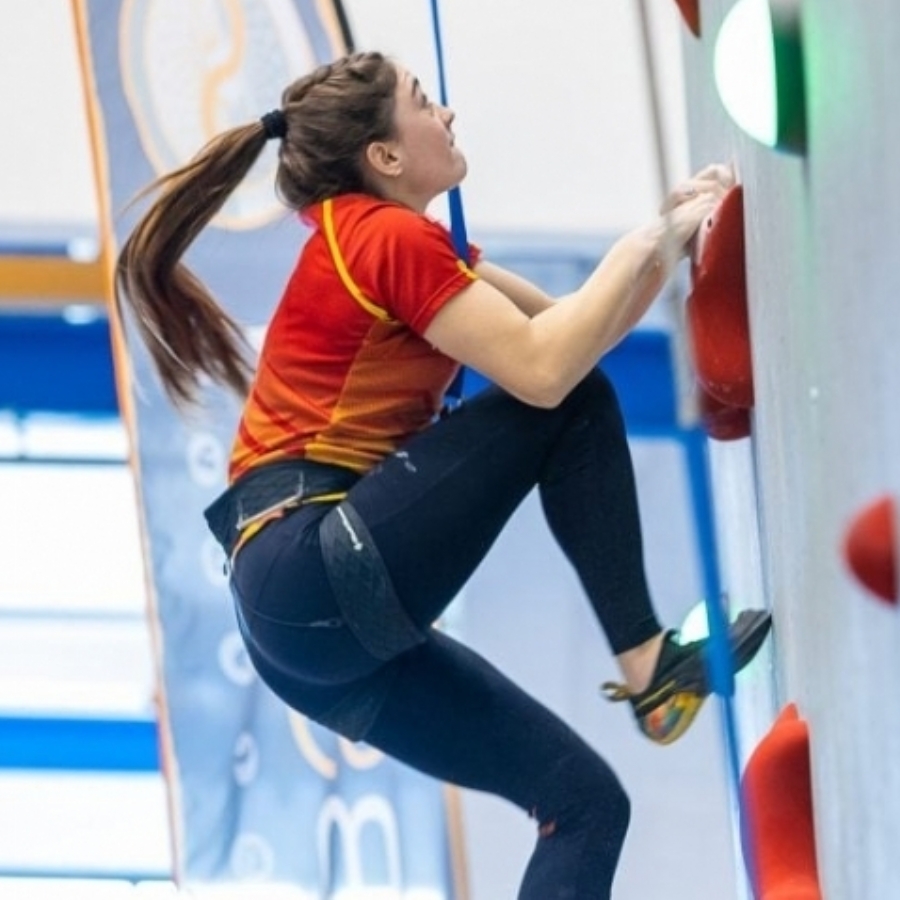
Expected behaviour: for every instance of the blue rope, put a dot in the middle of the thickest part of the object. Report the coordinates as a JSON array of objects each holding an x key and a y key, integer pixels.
[
  {"x": 454, "y": 196},
  {"x": 719, "y": 658}
]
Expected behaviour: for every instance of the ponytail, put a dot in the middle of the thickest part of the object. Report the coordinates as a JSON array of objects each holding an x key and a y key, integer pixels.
[
  {"x": 187, "y": 334},
  {"x": 326, "y": 120}
]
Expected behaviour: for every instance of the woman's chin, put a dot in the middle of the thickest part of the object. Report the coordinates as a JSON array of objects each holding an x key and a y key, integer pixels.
[{"x": 461, "y": 172}]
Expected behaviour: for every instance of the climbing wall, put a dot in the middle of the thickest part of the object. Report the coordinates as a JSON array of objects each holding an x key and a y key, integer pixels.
[{"x": 823, "y": 274}]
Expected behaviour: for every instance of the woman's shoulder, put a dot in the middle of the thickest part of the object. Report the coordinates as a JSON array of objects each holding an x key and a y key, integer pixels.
[
  {"x": 368, "y": 226},
  {"x": 364, "y": 210}
]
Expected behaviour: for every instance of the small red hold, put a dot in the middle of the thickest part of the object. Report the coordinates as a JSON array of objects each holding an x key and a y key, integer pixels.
[
  {"x": 870, "y": 547},
  {"x": 690, "y": 12},
  {"x": 716, "y": 307},
  {"x": 721, "y": 421}
]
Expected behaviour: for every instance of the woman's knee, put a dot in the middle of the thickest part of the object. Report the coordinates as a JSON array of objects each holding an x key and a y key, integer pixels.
[
  {"x": 583, "y": 788},
  {"x": 597, "y": 392}
]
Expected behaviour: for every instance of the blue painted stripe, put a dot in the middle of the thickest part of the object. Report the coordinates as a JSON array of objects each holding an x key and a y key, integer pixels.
[
  {"x": 78, "y": 745},
  {"x": 49, "y": 364},
  {"x": 640, "y": 367},
  {"x": 66, "y": 876},
  {"x": 29, "y": 249}
]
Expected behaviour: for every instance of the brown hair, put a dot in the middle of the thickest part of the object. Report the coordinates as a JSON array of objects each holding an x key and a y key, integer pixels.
[{"x": 331, "y": 115}]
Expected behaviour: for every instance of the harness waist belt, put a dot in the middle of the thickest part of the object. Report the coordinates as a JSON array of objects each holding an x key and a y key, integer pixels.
[{"x": 267, "y": 488}]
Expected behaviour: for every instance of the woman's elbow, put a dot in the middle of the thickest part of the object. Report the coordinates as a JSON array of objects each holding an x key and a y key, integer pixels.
[{"x": 542, "y": 390}]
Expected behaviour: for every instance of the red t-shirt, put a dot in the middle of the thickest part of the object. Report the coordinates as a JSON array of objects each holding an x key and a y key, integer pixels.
[{"x": 336, "y": 384}]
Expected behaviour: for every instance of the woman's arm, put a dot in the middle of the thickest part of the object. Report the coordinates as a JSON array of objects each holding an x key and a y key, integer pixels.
[
  {"x": 539, "y": 355},
  {"x": 528, "y": 297}
]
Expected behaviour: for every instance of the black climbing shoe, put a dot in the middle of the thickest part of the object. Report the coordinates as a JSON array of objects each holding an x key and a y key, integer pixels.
[{"x": 680, "y": 684}]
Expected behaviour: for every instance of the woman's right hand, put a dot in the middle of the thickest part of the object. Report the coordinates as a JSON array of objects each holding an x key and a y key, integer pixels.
[{"x": 689, "y": 204}]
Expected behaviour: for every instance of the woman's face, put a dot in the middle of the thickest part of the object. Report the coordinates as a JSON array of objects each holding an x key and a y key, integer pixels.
[{"x": 428, "y": 162}]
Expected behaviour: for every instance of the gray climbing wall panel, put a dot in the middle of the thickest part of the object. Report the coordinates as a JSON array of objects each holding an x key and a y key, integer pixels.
[{"x": 823, "y": 253}]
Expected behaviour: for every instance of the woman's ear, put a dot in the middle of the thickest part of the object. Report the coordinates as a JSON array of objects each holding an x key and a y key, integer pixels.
[{"x": 383, "y": 159}]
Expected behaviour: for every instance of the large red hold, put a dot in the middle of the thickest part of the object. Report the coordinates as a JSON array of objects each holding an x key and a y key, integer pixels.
[
  {"x": 779, "y": 836},
  {"x": 717, "y": 318}
]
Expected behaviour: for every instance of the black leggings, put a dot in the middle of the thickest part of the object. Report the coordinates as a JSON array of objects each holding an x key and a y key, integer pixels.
[{"x": 434, "y": 509}]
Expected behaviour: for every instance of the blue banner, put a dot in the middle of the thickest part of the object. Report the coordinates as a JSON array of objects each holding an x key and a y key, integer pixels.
[{"x": 258, "y": 795}]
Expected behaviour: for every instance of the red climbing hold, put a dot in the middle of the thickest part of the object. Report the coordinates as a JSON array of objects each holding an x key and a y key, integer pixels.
[
  {"x": 779, "y": 840},
  {"x": 690, "y": 12},
  {"x": 717, "y": 305},
  {"x": 721, "y": 421},
  {"x": 870, "y": 548}
]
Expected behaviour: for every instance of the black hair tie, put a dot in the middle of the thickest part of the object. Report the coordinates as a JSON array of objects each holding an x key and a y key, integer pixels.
[{"x": 275, "y": 124}]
